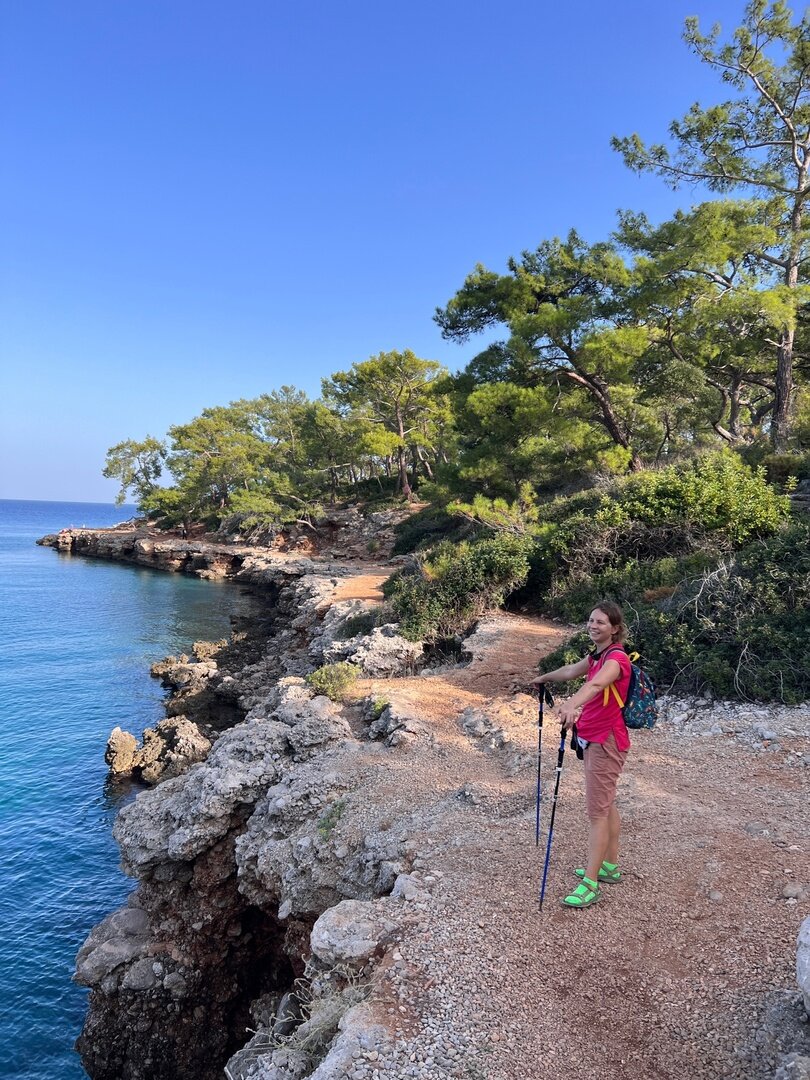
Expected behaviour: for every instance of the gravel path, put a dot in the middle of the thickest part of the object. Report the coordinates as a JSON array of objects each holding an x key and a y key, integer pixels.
[{"x": 684, "y": 970}]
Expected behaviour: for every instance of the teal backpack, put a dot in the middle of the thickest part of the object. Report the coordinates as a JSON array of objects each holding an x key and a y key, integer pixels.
[{"x": 640, "y": 709}]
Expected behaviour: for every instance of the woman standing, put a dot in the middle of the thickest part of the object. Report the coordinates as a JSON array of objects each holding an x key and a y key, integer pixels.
[{"x": 597, "y": 710}]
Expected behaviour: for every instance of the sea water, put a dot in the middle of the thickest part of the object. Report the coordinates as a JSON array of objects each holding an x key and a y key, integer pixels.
[{"x": 78, "y": 638}]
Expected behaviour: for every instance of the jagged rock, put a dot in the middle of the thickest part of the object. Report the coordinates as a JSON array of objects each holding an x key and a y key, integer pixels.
[
  {"x": 292, "y": 701},
  {"x": 188, "y": 814},
  {"x": 408, "y": 887},
  {"x": 352, "y": 932},
  {"x": 207, "y": 650},
  {"x": 334, "y": 625},
  {"x": 292, "y": 847},
  {"x": 359, "y": 1032},
  {"x": 382, "y": 652},
  {"x": 140, "y": 975},
  {"x": 803, "y": 963},
  {"x": 169, "y": 749},
  {"x": 120, "y": 938},
  {"x": 794, "y": 1067},
  {"x": 396, "y": 726},
  {"x": 120, "y": 752},
  {"x": 316, "y": 731}
]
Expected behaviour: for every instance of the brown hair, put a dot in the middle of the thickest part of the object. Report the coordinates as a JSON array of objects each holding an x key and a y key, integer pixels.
[{"x": 615, "y": 618}]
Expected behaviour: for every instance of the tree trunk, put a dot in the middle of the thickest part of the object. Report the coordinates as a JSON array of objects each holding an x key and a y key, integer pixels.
[
  {"x": 404, "y": 486},
  {"x": 781, "y": 422},
  {"x": 783, "y": 402},
  {"x": 601, "y": 395}
]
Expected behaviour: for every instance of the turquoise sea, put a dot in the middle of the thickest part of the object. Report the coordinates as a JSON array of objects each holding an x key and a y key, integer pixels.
[{"x": 78, "y": 637}]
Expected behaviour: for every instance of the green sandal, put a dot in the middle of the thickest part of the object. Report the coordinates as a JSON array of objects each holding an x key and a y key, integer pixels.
[
  {"x": 610, "y": 876},
  {"x": 585, "y": 894}
]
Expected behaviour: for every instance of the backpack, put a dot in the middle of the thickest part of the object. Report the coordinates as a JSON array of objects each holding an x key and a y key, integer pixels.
[{"x": 640, "y": 709}]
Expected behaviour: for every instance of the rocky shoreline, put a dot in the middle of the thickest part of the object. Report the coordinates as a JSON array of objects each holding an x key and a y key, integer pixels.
[{"x": 295, "y": 856}]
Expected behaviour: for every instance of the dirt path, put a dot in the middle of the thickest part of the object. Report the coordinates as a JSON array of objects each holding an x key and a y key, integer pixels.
[{"x": 684, "y": 970}]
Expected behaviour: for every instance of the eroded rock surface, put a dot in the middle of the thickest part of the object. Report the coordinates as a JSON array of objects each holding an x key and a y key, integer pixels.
[{"x": 355, "y": 882}]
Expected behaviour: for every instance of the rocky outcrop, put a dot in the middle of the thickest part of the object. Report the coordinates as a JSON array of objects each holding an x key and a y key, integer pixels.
[
  {"x": 167, "y": 750},
  {"x": 235, "y": 859},
  {"x": 342, "y": 534}
]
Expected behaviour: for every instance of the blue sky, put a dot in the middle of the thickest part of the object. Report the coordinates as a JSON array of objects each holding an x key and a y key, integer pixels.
[{"x": 204, "y": 201}]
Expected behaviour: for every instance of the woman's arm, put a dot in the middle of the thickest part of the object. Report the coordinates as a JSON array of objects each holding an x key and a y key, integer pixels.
[
  {"x": 563, "y": 674},
  {"x": 570, "y": 709}
]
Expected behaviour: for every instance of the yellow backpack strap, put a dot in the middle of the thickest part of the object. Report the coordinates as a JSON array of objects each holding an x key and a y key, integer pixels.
[{"x": 606, "y": 696}]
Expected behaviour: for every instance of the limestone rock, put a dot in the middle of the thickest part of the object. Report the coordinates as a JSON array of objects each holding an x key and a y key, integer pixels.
[
  {"x": 352, "y": 932},
  {"x": 188, "y": 814},
  {"x": 170, "y": 748},
  {"x": 120, "y": 752},
  {"x": 803, "y": 963},
  {"x": 382, "y": 652},
  {"x": 293, "y": 848},
  {"x": 119, "y": 939},
  {"x": 396, "y": 726},
  {"x": 794, "y": 1067}
]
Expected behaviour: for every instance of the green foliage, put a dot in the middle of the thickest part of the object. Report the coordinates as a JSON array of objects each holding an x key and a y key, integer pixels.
[
  {"x": 570, "y": 652},
  {"x": 378, "y": 707},
  {"x": 737, "y": 628},
  {"x": 783, "y": 470},
  {"x": 714, "y": 503},
  {"x": 753, "y": 142},
  {"x": 517, "y": 518},
  {"x": 137, "y": 466},
  {"x": 330, "y": 818},
  {"x": 362, "y": 623},
  {"x": 395, "y": 396},
  {"x": 426, "y": 528},
  {"x": 456, "y": 584},
  {"x": 571, "y": 596},
  {"x": 333, "y": 680},
  {"x": 740, "y": 629}
]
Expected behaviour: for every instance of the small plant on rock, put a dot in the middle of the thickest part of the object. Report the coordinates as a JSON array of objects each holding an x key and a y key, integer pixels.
[
  {"x": 378, "y": 707},
  {"x": 330, "y": 818},
  {"x": 333, "y": 680}
]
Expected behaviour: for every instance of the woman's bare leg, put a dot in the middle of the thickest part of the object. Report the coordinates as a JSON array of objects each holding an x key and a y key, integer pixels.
[
  {"x": 614, "y": 828},
  {"x": 598, "y": 839}
]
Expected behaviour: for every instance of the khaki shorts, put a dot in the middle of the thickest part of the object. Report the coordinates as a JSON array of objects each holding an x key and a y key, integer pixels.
[{"x": 603, "y": 765}]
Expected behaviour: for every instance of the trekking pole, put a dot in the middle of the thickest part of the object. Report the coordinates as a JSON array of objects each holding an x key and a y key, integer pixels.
[
  {"x": 545, "y": 695},
  {"x": 560, "y": 756}
]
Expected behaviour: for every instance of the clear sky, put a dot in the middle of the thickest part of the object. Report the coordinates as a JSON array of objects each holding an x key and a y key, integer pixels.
[{"x": 203, "y": 201}]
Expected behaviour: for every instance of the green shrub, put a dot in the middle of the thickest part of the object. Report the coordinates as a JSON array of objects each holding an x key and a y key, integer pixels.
[
  {"x": 741, "y": 629},
  {"x": 333, "y": 680},
  {"x": 572, "y": 596},
  {"x": 782, "y": 470},
  {"x": 362, "y": 623},
  {"x": 330, "y": 818},
  {"x": 427, "y": 527},
  {"x": 457, "y": 583},
  {"x": 708, "y": 507},
  {"x": 378, "y": 707}
]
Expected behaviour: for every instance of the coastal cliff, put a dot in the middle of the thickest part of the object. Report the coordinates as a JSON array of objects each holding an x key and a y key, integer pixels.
[{"x": 347, "y": 889}]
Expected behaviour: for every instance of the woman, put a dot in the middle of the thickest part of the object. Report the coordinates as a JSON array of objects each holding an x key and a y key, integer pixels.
[{"x": 597, "y": 710}]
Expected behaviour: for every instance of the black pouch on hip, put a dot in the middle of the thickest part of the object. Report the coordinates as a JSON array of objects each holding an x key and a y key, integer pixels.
[{"x": 576, "y": 743}]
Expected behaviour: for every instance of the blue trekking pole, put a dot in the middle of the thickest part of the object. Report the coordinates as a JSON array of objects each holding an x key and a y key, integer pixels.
[
  {"x": 560, "y": 756},
  {"x": 545, "y": 695}
]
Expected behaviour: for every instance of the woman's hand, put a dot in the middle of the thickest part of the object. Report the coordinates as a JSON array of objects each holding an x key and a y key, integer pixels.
[
  {"x": 568, "y": 714},
  {"x": 538, "y": 682}
]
